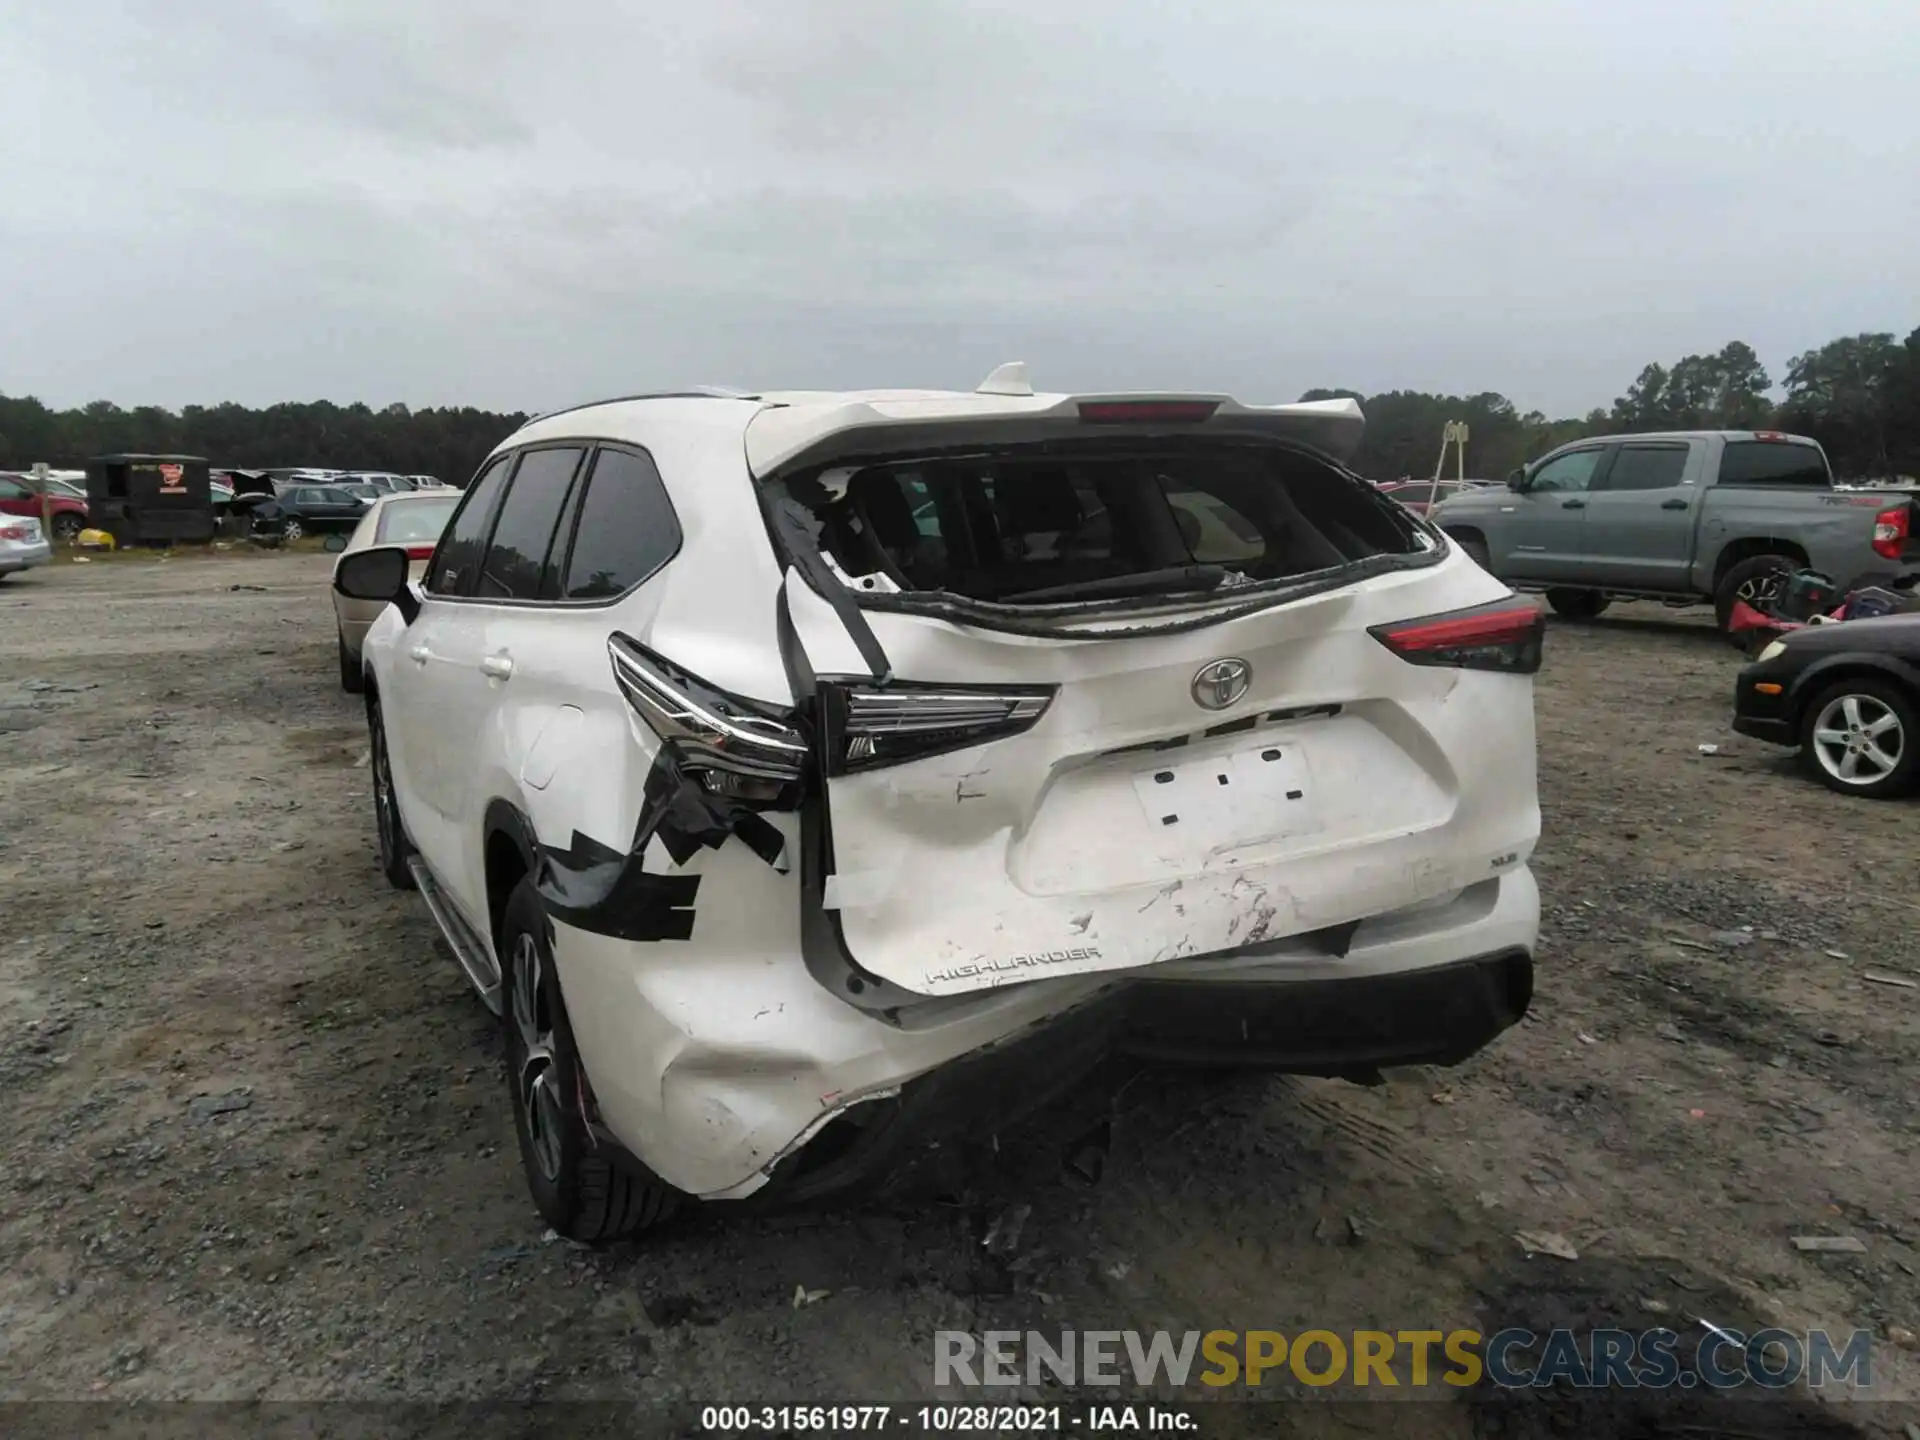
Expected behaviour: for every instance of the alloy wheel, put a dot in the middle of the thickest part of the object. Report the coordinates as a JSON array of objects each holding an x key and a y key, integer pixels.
[
  {"x": 535, "y": 1073},
  {"x": 1762, "y": 590},
  {"x": 1858, "y": 739},
  {"x": 384, "y": 821},
  {"x": 293, "y": 530}
]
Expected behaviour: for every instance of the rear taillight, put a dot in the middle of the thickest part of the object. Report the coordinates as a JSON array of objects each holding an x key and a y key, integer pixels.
[
  {"x": 419, "y": 552},
  {"x": 866, "y": 726},
  {"x": 1146, "y": 412},
  {"x": 1505, "y": 636},
  {"x": 18, "y": 532},
  {"x": 1890, "y": 532},
  {"x": 739, "y": 748}
]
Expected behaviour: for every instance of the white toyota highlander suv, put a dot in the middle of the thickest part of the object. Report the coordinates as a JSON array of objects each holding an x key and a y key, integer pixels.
[{"x": 812, "y": 781}]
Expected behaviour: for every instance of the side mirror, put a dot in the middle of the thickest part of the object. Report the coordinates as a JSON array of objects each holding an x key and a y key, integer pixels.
[
  {"x": 1517, "y": 481},
  {"x": 334, "y": 544},
  {"x": 378, "y": 574}
]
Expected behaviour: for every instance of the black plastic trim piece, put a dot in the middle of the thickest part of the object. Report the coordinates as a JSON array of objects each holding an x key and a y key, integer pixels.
[
  {"x": 593, "y": 887},
  {"x": 797, "y": 531}
]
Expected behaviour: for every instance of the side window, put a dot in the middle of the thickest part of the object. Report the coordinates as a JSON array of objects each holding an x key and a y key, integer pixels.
[
  {"x": 518, "y": 551},
  {"x": 1569, "y": 473},
  {"x": 1647, "y": 467},
  {"x": 459, "y": 554},
  {"x": 626, "y": 528},
  {"x": 14, "y": 490}
]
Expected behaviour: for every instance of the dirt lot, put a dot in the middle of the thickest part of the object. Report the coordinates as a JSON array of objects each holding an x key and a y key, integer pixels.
[{"x": 193, "y": 923}]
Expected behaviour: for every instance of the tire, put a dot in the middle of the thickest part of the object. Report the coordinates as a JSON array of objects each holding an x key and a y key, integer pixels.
[
  {"x": 351, "y": 679},
  {"x": 292, "y": 529},
  {"x": 1476, "y": 551},
  {"x": 392, "y": 834},
  {"x": 578, "y": 1192},
  {"x": 1749, "y": 581},
  {"x": 67, "y": 527},
  {"x": 1577, "y": 604},
  {"x": 1879, "y": 712}
]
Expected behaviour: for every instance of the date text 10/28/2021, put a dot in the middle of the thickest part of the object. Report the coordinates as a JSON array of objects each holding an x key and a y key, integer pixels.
[{"x": 947, "y": 1419}]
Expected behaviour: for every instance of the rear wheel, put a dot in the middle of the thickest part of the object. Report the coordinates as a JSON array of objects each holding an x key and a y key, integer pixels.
[
  {"x": 578, "y": 1192},
  {"x": 1757, "y": 581},
  {"x": 351, "y": 680},
  {"x": 394, "y": 849},
  {"x": 1577, "y": 604},
  {"x": 1862, "y": 737}
]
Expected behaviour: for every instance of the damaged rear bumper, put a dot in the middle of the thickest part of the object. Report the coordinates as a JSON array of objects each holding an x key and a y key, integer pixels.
[
  {"x": 724, "y": 1064},
  {"x": 1346, "y": 1027}
]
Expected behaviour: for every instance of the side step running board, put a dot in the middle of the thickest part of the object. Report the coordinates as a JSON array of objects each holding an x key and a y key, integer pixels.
[{"x": 474, "y": 955}]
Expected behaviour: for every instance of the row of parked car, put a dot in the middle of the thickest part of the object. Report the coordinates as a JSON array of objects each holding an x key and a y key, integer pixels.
[
  {"x": 279, "y": 502},
  {"x": 281, "y": 506}
]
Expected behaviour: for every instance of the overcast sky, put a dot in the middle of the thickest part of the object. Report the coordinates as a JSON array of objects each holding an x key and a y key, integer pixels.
[{"x": 520, "y": 205}]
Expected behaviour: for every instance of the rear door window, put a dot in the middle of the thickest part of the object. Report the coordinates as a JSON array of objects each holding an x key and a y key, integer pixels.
[
  {"x": 413, "y": 522},
  {"x": 1773, "y": 462},
  {"x": 624, "y": 529},
  {"x": 517, "y": 553},
  {"x": 1023, "y": 522},
  {"x": 1647, "y": 467},
  {"x": 458, "y": 558}
]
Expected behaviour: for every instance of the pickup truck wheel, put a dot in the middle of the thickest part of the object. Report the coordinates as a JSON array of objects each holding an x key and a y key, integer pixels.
[
  {"x": 578, "y": 1192},
  {"x": 1476, "y": 551},
  {"x": 1756, "y": 581},
  {"x": 1862, "y": 737},
  {"x": 1577, "y": 604}
]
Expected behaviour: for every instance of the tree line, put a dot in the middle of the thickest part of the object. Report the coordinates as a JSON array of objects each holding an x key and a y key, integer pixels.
[
  {"x": 1859, "y": 396},
  {"x": 447, "y": 442}
]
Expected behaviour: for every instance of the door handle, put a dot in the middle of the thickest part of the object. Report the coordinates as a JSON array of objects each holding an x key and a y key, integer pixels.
[
  {"x": 496, "y": 667},
  {"x": 421, "y": 654},
  {"x": 1673, "y": 504},
  {"x": 1573, "y": 504}
]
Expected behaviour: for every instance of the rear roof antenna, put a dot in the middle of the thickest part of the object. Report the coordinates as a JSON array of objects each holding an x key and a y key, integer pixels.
[{"x": 1007, "y": 379}]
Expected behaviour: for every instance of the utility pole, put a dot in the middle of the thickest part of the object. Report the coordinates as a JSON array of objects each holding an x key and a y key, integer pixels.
[{"x": 1453, "y": 434}]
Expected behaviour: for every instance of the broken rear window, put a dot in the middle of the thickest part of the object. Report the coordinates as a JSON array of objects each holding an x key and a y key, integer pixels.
[{"x": 1051, "y": 525}]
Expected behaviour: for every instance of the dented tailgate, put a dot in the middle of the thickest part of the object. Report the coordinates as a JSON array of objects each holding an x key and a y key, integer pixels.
[{"x": 1176, "y": 795}]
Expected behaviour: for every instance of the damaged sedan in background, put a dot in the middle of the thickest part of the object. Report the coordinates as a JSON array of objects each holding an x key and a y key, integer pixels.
[{"x": 809, "y": 779}]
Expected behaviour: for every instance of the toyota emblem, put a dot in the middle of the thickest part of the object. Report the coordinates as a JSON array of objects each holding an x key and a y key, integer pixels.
[{"x": 1221, "y": 682}]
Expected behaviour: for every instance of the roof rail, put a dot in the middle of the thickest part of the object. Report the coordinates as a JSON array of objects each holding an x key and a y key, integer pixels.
[{"x": 697, "y": 392}]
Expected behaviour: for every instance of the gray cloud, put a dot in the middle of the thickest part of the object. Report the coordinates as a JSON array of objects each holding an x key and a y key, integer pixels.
[{"x": 477, "y": 201}]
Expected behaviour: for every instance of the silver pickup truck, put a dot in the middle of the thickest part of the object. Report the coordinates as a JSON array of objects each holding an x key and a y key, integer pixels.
[{"x": 1681, "y": 517}]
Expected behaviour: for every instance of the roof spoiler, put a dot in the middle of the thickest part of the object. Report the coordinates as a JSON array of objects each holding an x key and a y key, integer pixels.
[{"x": 781, "y": 436}]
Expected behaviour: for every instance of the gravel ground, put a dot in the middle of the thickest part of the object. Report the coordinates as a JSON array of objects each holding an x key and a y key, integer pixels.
[{"x": 259, "y": 1146}]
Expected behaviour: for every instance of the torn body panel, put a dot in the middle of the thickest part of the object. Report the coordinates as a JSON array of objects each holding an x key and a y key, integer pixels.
[
  {"x": 593, "y": 887},
  {"x": 717, "y": 1060}
]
